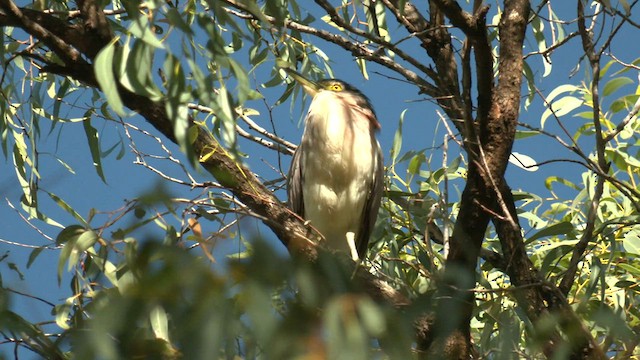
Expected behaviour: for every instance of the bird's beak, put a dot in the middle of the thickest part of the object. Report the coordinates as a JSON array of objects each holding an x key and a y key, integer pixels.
[{"x": 310, "y": 87}]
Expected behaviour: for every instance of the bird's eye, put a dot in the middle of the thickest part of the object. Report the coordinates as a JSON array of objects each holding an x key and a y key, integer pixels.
[{"x": 335, "y": 87}]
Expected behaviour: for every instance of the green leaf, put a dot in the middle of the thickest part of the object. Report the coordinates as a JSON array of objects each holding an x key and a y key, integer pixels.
[
  {"x": 372, "y": 317},
  {"x": 523, "y": 134},
  {"x": 561, "y": 228},
  {"x": 362, "y": 65},
  {"x": 108, "y": 269},
  {"x": 531, "y": 84},
  {"x": 179, "y": 113},
  {"x": 68, "y": 236},
  {"x": 62, "y": 311},
  {"x": 34, "y": 254},
  {"x": 631, "y": 242},
  {"x": 551, "y": 179},
  {"x": 94, "y": 147},
  {"x": 606, "y": 67},
  {"x": 560, "y": 90},
  {"x": 258, "y": 54},
  {"x": 626, "y": 7},
  {"x": 554, "y": 257},
  {"x": 525, "y": 162},
  {"x": 69, "y": 233},
  {"x": 86, "y": 240},
  {"x": 624, "y": 69},
  {"x": 560, "y": 108},
  {"x": 397, "y": 139},
  {"x": 175, "y": 19},
  {"x": 277, "y": 9},
  {"x": 632, "y": 270},
  {"x": 376, "y": 19},
  {"x": 15, "y": 268},
  {"x": 327, "y": 19},
  {"x": 538, "y": 32},
  {"x": 106, "y": 80},
  {"x": 159, "y": 323},
  {"x": 136, "y": 69},
  {"x": 415, "y": 163},
  {"x": 66, "y": 207},
  {"x": 140, "y": 28},
  {"x": 176, "y": 105},
  {"x": 623, "y": 103},
  {"x": 244, "y": 90},
  {"x": 62, "y": 91},
  {"x": 107, "y": 152},
  {"x": 78, "y": 242},
  {"x": 64, "y": 164},
  {"x": 225, "y": 114},
  {"x": 20, "y": 161},
  {"x": 615, "y": 84}
]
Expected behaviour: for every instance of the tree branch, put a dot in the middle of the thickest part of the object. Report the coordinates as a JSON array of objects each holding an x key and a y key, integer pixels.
[
  {"x": 504, "y": 115},
  {"x": 338, "y": 20},
  {"x": 588, "y": 233},
  {"x": 355, "y": 48},
  {"x": 96, "y": 27},
  {"x": 436, "y": 40},
  {"x": 67, "y": 53}
]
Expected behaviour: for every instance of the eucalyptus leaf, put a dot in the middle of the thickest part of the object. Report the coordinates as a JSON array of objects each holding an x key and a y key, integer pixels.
[{"x": 106, "y": 79}]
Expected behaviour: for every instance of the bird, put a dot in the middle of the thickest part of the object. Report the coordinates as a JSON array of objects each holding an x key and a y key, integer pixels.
[{"x": 335, "y": 181}]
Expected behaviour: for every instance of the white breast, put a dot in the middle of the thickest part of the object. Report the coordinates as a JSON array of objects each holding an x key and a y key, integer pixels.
[{"x": 338, "y": 176}]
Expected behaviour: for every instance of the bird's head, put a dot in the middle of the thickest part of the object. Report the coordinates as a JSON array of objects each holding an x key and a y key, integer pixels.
[{"x": 312, "y": 88}]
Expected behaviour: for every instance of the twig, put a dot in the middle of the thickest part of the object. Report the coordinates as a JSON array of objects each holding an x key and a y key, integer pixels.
[
  {"x": 28, "y": 222},
  {"x": 634, "y": 111},
  {"x": 338, "y": 20},
  {"x": 253, "y": 125},
  {"x": 355, "y": 48},
  {"x": 281, "y": 145},
  {"x": 29, "y": 296}
]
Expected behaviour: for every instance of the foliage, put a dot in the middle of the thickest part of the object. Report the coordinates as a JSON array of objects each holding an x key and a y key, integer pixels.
[{"x": 155, "y": 276}]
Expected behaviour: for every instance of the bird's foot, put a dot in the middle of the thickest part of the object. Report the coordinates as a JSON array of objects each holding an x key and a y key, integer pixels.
[{"x": 351, "y": 241}]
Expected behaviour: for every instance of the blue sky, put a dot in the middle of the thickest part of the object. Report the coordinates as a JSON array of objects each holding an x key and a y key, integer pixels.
[{"x": 124, "y": 180}]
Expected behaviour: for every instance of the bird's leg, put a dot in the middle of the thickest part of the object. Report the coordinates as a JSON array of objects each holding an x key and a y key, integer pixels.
[{"x": 351, "y": 241}]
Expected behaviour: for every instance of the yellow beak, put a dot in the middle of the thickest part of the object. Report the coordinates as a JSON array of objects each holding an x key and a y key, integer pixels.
[{"x": 310, "y": 87}]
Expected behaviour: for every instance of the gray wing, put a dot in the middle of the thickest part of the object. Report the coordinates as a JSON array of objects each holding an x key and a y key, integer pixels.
[
  {"x": 294, "y": 183},
  {"x": 371, "y": 206}
]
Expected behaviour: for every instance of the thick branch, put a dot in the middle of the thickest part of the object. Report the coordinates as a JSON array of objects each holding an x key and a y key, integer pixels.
[
  {"x": 503, "y": 120},
  {"x": 497, "y": 120},
  {"x": 67, "y": 53},
  {"x": 459, "y": 18},
  {"x": 484, "y": 66},
  {"x": 95, "y": 25}
]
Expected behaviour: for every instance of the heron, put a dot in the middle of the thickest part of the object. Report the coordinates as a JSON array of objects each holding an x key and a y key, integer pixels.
[{"x": 336, "y": 177}]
